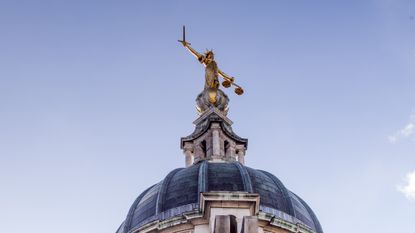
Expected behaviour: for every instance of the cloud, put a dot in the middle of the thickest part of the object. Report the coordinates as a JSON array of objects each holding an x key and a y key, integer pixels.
[
  {"x": 406, "y": 132},
  {"x": 409, "y": 188}
]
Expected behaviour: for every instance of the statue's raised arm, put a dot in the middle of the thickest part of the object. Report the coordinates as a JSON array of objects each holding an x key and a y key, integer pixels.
[
  {"x": 191, "y": 50},
  {"x": 188, "y": 47}
]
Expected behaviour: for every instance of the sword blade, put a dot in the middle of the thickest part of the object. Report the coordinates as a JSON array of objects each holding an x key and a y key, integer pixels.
[{"x": 184, "y": 33}]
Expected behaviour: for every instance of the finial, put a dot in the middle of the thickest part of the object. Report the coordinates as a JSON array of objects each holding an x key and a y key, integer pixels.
[{"x": 211, "y": 94}]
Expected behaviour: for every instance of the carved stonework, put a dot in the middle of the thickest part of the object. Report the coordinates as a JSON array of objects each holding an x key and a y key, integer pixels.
[
  {"x": 213, "y": 139},
  {"x": 203, "y": 101}
]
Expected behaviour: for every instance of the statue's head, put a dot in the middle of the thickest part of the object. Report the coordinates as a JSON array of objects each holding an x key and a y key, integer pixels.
[{"x": 209, "y": 55}]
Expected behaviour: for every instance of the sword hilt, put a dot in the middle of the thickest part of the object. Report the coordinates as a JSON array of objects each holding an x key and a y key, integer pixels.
[{"x": 184, "y": 43}]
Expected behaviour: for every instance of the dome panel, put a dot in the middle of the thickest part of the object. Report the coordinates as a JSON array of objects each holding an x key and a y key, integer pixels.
[
  {"x": 146, "y": 208},
  {"x": 224, "y": 177},
  {"x": 301, "y": 212},
  {"x": 308, "y": 213},
  {"x": 271, "y": 195},
  {"x": 182, "y": 188}
]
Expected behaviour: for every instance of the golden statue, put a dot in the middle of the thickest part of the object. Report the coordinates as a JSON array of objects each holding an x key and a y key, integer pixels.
[{"x": 211, "y": 72}]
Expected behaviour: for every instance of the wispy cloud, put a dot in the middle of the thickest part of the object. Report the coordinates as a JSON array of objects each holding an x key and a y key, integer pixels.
[
  {"x": 409, "y": 188},
  {"x": 406, "y": 132}
]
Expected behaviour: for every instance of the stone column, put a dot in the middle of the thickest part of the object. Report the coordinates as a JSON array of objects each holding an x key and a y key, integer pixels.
[
  {"x": 188, "y": 153},
  {"x": 232, "y": 151},
  {"x": 241, "y": 154},
  {"x": 215, "y": 140}
]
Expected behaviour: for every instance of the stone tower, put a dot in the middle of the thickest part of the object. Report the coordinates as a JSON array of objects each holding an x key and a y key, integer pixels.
[{"x": 213, "y": 140}]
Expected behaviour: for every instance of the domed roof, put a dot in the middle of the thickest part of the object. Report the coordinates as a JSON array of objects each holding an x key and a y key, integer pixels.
[{"x": 179, "y": 193}]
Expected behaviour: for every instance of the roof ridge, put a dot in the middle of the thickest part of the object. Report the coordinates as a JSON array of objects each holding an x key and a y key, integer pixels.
[
  {"x": 283, "y": 189},
  {"x": 163, "y": 189},
  {"x": 246, "y": 179}
]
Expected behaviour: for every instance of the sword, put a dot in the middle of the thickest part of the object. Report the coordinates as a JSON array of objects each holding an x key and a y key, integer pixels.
[{"x": 184, "y": 42}]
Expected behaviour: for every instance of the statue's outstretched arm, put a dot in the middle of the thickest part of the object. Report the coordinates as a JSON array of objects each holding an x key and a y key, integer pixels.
[{"x": 225, "y": 76}]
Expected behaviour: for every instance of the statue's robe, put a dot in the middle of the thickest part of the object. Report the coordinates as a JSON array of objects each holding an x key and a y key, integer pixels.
[{"x": 211, "y": 76}]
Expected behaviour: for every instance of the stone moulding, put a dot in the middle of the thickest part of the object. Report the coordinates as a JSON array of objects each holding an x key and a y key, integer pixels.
[
  {"x": 203, "y": 123},
  {"x": 228, "y": 200},
  {"x": 208, "y": 200},
  {"x": 187, "y": 218},
  {"x": 291, "y": 224}
]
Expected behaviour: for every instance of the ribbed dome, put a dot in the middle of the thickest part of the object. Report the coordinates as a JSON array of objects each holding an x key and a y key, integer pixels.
[{"x": 179, "y": 193}]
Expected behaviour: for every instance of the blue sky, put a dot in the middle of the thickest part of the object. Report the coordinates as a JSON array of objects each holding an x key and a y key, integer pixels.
[{"x": 94, "y": 96}]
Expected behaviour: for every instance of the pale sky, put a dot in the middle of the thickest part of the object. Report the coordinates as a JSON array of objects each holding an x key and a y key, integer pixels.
[{"x": 95, "y": 95}]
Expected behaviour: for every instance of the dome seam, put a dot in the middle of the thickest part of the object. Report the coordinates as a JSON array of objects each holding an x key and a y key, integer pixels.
[
  {"x": 163, "y": 190},
  {"x": 283, "y": 189},
  {"x": 203, "y": 179},
  {"x": 246, "y": 179}
]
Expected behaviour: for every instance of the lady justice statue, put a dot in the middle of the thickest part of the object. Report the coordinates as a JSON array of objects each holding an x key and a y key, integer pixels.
[{"x": 211, "y": 95}]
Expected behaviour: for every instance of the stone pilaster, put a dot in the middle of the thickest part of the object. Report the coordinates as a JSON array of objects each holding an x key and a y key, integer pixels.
[
  {"x": 241, "y": 153},
  {"x": 216, "y": 142},
  {"x": 249, "y": 224},
  {"x": 188, "y": 153},
  {"x": 213, "y": 139}
]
